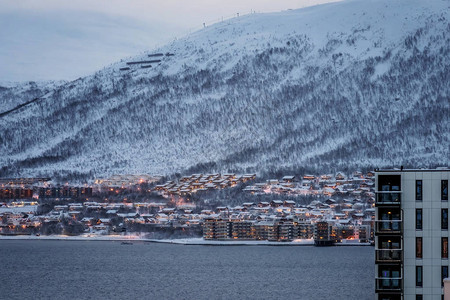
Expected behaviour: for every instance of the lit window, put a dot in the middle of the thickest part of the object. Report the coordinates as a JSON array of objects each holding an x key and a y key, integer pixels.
[
  {"x": 418, "y": 219},
  {"x": 418, "y": 247},
  {"x": 419, "y": 190},
  {"x": 444, "y": 247}
]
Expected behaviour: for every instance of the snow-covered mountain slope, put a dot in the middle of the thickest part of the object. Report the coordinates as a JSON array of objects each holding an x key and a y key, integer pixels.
[
  {"x": 350, "y": 84},
  {"x": 13, "y": 94}
]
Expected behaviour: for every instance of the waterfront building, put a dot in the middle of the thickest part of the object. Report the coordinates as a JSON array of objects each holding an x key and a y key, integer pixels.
[
  {"x": 263, "y": 230},
  {"x": 242, "y": 230},
  {"x": 344, "y": 232},
  {"x": 411, "y": 233},
  {"x": 364, "y": 233},
  {"x": 287, "y": 231},
  {"x": 305, "y": 230},
  {"x": 323, "y": 234},
  {"x": 282, "y": 229},
  {"x": 216, "y": 229}
]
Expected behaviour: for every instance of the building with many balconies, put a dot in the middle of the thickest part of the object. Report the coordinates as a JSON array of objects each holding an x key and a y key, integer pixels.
[{"x": 411, "y": 233}]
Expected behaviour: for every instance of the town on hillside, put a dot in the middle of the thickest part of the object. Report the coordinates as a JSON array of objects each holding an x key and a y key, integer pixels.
[{"x": 329, "y": 208}]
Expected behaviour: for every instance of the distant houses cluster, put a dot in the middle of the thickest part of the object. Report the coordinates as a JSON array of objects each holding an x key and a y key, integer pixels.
[
  {"x": 18, "y": 216},
  {"x": 116, "y": 184},
  {"x": 125, "y": 180},
  {"x": 42, "y": 188},
  {"x": 274, "y": 221},
  {"x": 200, "y": 182},
  {"x": 347, "y": 207},
  {"x": 91, "y": 216},
  {"x": 327, "y": 185}
]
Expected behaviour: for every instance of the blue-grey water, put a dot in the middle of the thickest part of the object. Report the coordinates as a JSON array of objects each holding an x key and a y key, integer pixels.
[{"x": 109, "y": 270}]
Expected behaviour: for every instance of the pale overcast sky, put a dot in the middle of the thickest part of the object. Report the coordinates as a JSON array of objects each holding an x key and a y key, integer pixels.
[{"x": 67, "y": 39}]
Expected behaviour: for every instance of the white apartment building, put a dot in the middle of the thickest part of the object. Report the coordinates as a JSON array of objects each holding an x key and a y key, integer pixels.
[{"x": 411, "y": 234}]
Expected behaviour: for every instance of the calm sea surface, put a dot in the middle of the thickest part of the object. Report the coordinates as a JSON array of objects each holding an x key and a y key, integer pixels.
[{"x": 109, "y": 270}]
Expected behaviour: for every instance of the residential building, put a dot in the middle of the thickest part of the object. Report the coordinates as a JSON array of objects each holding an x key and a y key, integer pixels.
[
  {"x": 323, "y": 234},
  {"x": 264, "y": 229},
  {"x": 305, "y": 230},
  {"x": 216, "y": 229},
  {"x": 411, "y": 233},
  {"x": 242, "y": 230},
  {"x": 286, "y": 230},
  {"x": 364, "y": 233}
]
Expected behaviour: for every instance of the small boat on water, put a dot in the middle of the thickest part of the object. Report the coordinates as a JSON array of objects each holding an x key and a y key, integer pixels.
[{"x": 126, "y": 243}]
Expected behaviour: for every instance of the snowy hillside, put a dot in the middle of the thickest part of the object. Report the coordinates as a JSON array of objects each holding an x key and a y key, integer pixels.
[
  {"x": 13, "y": 93},
  {"x": 360, "y": 83}
]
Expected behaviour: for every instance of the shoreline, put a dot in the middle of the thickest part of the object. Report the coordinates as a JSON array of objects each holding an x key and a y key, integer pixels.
[
  {"x": 70, "y": 238},
  {"x": 181, "y": 241},
  {"x": 202, "y": 242}
]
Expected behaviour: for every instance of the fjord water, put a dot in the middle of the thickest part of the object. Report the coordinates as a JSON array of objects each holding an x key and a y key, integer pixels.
[{"x": 110, "y": 270}]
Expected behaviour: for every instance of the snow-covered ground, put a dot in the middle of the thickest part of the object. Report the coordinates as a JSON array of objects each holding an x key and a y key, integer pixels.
[
  {"x": 201, "y": 241},
  {"x": 181, "y": 241},
  {"x": 83, "y": 237},
  {"x": 19, "y": 209}
]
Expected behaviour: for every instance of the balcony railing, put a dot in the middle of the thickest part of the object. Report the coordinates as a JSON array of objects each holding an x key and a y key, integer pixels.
[
  {"x": 388, "y": 197},
  {"x": 388, "y": 226},
  {"x": 389, "y": 283},
  {"x": 388, "y": 255}
]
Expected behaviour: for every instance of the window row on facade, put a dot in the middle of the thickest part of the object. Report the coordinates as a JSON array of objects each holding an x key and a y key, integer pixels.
[
  {"x": 444, "y": 247},
  {"x": 420, "y": 279},
  {"x": 444, "y": 190},
  {"x": 444, "y": 219}
]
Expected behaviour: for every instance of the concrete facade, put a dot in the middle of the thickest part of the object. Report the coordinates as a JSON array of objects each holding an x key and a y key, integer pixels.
[{"x": 396, "y": 196}]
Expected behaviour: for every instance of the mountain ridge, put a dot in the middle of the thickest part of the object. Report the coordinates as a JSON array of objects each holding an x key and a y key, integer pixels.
[{"x": 348, "y": 84}]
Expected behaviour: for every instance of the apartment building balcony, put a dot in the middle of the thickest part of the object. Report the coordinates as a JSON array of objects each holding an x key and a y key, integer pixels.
[
  {"x": 388, "y": 227},
  {"x": 388, "y": 198},
  {"x": 388, "y": 256},
  {"x": 388, "y": 284}
]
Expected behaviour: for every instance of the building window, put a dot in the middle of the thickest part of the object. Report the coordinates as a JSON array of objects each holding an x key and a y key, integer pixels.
[
  {"x": 419, "y": 190},
  {"x": 444, "y": 219},
  {"x": 390, "y": 277},
  {"x": 444, "y": 247},
  {"x": 418, "y": 247},
  {"x": 389, "y": 183},
  {"x": 444, "y": 190},
  {"x": 419, "y": 297},
  {"x": 419, "y": 279},
  {"x": 444, "y": 274},
  {"x": 418, "y": 219}
]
